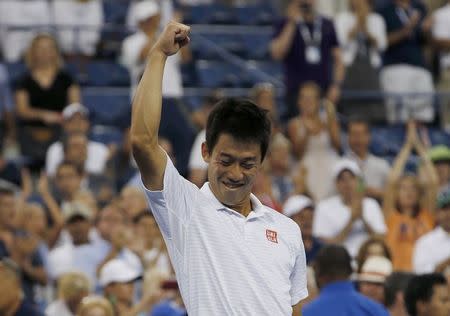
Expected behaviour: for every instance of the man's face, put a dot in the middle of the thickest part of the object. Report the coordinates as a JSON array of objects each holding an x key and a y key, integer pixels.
[
  {"x": 439, "y": 304},
  {"x": 307, "y": 5},
  {"x": 7, "y": 210},
  {"x": 78, "y": 228},
  {"x": 132, "y": 201},
  {"x": 372, "y": 290},
  {"x": 232, "y": 169},
  {"x": 443, "y": 218},
  {"x": 76, "y": 149},
  {"x": 346, "y": 183},
  {"x": 358, "y": 137},
  {"x": 68, "y": 181},
  {"x": 121, "y": 292},
  {"x": 147, "y": 228},
  {"x": 110, "y": 221},
  {"x": 78, "y": 123}
]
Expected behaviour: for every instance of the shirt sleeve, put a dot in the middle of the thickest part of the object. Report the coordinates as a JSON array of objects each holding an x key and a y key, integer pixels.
[
  {"x": 374, "y": 216},
  {"x": 421, "y": 262},
  {"x": 441, "y": 28},
  {"x": 298, "y": 280},
  {"x": 343, "y": 26},
  {"x": 173, "y": 206},
  {"x": 321, "y": 224},
  {"x": 379, "y": 32}
]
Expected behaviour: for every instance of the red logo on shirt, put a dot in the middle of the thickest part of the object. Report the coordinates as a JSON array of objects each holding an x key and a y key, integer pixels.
[{"x": 271, "y": 236}]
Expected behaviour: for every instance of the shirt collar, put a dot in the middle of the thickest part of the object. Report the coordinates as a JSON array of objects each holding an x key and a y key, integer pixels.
[
  {"x": 338, "y": 287},
  {"x": 258, "y": 208}
]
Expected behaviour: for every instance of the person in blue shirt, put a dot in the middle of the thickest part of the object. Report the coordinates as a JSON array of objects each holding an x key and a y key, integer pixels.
[{"x": 338, "y": 295}]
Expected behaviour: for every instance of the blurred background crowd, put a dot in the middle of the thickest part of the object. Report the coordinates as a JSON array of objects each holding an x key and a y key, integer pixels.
[{"x": 358, "y": 92}]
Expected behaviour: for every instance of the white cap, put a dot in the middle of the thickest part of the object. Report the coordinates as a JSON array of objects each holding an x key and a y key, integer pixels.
[
  {"x": 346, "y": 164},
  {"x": 73, "y": 109},
  {"x": 295, "y": 204},
  {"x": 72, "y": 209},
  {"x": 117, "y": 271},
  {"x": 375, "y": 270},
  {"x": 146, "y": 9}
]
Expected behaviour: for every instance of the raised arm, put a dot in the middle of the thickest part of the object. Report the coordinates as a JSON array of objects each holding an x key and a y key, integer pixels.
[
  {"x": 430, "y": 178},
  {"x": 146, "y": 116},
  {"x": 280, "y": 45},
  {"x": 333, "y": 126},
  {"x": 397, "y": 170}
]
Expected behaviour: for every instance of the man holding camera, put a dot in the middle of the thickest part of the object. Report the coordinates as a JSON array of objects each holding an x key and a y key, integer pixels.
[{"x": 307, "y": 44}]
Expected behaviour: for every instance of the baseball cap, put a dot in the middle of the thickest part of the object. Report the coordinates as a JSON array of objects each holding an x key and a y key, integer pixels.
[
  {"x": 295, "y": 204},
  {"x": 346, "y": 164},
  {"x": 443, "y": 199},
  {"x": 72, "y": 209},
  {"x": 117, "y": 271},
  {"x": 439, "y": 153},
  {"x": 145, "y": 10},
  {"x": 73, "y": 109},
  {"x": 375, "y": 270}
]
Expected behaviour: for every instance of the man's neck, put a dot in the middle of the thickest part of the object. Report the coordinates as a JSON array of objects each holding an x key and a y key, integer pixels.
[
  {"x": 361, "y": 154},
  {"x": 244, "y": 209}
]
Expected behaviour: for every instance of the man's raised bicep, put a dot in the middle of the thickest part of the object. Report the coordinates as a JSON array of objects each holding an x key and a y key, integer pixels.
[{"x": 151, "y": 161}]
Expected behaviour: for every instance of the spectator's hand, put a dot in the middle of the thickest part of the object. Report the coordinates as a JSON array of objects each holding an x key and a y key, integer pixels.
[
  {"x": 411, "y": 133},
  {"x": 293, "y": 12},
  {"x": 414, "y": 19},
  {"x": 174, "y": 36},
  {"x": 329, "y": 108},
  {"x": 27, "y": 183},
  {"x": 427, "y": 23},
  {"x": 42, "y": 185},
  {"x": 356, "y": 205},
  {"x": 334, "y": 93}
]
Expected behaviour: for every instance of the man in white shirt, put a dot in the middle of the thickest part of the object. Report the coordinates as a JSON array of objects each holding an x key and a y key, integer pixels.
[
  {"x": 432, "y": 251},
  {"x": 374, "y": 169},
  {"x": 76, "y": 120},
  {"x": 136, "y": 47},
  {"x": 87, "y": 16},
  {"x": 16, "y": 16},
  {"x": 349, "y": 217},
  {"x": 221, "y": 240}
]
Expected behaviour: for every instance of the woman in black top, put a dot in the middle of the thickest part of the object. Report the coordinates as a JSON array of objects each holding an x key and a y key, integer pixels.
[{"x": 41, "y": 95}]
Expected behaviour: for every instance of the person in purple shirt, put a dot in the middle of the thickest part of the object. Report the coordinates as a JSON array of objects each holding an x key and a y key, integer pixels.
[
  {"x": 338, "y": 295},
  {"x": 306, "y": 43}
]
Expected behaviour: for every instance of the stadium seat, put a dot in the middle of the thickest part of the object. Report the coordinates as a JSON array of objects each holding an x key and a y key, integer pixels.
[
  {"x": 256, "y": 46},
  {"x": 189, "y": 75},
  {"x": 439, "y": 137},
  {"x": 209, "y": 14},
  {"x": 262, "y": 71},
  {"x": 202, "y": 45},
  {"x": 192, "y": 102},
  {"x": 110, "y": 109},
  {"x": 115, "y": 11},
  {"x": 105, "y": 73},
  {"x": 255, "y": 15},
  {"x": 215, "y": 74},
  {"x": 15, "y": 71},
  {"x": 106, "y": 135}
]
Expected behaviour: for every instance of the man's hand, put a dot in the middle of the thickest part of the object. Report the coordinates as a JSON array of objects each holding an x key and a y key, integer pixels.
[{"x": 173, "y": 38}]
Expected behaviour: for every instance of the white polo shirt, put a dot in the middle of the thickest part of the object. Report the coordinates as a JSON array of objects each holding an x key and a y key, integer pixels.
[
  {"x": 228, "y": 264},
  {"x": 441, "y": 30},
  {"x": 431, "y": 249},
  {"x": 332, "y": 215}
]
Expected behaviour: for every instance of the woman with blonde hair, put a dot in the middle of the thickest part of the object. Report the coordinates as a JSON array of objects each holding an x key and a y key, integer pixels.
[
  {"x": 408, "y": 204},
  {"x": 95, "y": 306},
  {"x": 73, "y": 287},
  {"x": 315, "y": 137},
  {"x": 41, "y": 95}
]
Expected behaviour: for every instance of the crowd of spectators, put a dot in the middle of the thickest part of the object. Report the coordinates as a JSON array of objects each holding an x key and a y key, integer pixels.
[{"x": 76, "y": 234}]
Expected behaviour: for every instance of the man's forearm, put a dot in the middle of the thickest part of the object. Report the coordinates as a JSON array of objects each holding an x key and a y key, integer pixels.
[{"x": 280, "y": 45}]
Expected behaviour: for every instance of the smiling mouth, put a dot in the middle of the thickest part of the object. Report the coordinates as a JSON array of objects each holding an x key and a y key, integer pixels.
[{"x": 232, "y": 186}]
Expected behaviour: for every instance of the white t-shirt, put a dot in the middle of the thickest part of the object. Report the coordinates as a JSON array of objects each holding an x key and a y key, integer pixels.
[
  {"x": 228, "y": 264},
  {"x": 375, "y": 25},
  {"x": 87, "y": 15},
  {"x": 97, "y": 157},
  {"x": 196, "y": 159},
  {"x": 172, "y": 86},
  {"x": 58, "y": 308},
  {"x": 441, "y": 30},
  {"x": 332, "y": 215},
  {"x": 430, "y": 250},
  {"x": 20, "y": 13}
]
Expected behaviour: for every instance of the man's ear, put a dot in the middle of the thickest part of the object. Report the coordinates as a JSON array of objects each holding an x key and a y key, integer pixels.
[{"x": 205, "y": 153}]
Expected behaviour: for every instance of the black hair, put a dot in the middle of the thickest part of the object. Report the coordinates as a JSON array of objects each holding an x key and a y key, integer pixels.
[
  {"x": 66, "y": 163},
  {"x": 241, "y": 119},
  {"x": 395, "y": 283},
  {"x": 420, "y": 288},
  {"x": 333, "y": 262}
]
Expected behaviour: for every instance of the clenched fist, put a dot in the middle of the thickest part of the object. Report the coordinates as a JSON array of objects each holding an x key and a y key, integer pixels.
[{"x": 174, "y": 36}]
